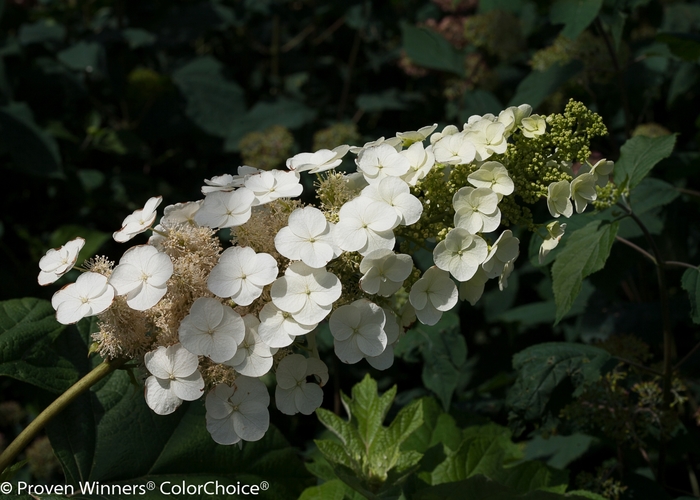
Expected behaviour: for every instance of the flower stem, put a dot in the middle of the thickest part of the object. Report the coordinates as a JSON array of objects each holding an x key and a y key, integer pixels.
[{"x": 30, "y": 432}]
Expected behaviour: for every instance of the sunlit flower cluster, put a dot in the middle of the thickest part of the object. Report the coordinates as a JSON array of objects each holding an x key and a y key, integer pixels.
[{"x": 208, "y": 319}]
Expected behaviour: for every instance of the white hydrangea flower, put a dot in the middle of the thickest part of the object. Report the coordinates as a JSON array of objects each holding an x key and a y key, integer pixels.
[
  {"x": 253, "y": 357},
  {"x": 381, "y": 161},
  {"x": 358, "y": 331},
  {"x": 421, "y": 161},
  {"x": 384, "y": 272},
  {"x": 142, "y": 275},
  {"x": 460, "y": 253},
  {"x": 476, "y": 210},
  {"x": 139, "y": 221},
  {"x": 392, "y": 330},
  {"x": 88, "y": 296},
  {"x": 228, "y": 182},
  {"x": 555, "y": 232},
  {"x": 320, "y": 161},
  {"x": 58, "y": 261},
  {"x": 409, "y": 138},
  {"x": 583, "y": 191},
  {"x": 225, "y": 208},
  {"x": 306, "y": 293},
  {"x": 512, "y": 117},
  {"x": 558, "y": 199},
  {"x": 180, "y": 213},
  {"x": 505, "y": 250},
  {"x": 365, "y": 225},
  {"x": 241, "y": 274},
  {"x": 455, "y": 149},
  {"x": 174, "y": 378},
  {"x": 212, "y": 329},
  {"x": 307, "y": 237},
  {"x": 494, "y": 176},
  {"x": 487, "y": 137},
  {"x": 293, "y": 393},
  {"x": 239, "y": 412},
  {"x": 278, "y": 328},
  {"x": 433, "y": 294},
  {"x": 394, "y": 142},
  {"x": 472, "y": 289},
  {"x": 448, "y": 130},
  {"x": 602, "y": 170},
  {"x": 395, "y": 192},
  {"x": 532, "y": 126},
  {"x": 271, "y": 185}
]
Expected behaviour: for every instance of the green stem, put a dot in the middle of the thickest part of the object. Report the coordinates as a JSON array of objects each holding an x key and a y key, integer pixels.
[{"x": 30, "y": 432}]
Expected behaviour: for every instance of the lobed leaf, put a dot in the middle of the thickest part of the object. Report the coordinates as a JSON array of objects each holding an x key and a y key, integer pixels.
[{"x": 638, "y": 156}]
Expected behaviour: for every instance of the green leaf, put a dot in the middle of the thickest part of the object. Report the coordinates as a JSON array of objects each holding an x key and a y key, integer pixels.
[
  {"x": 652, "y": 193},
  {"x": 332, "y": 490},
  {"x": 32, "y": 150},
  {"x": 28, "y": 328},
  {"x": 684, "y": 80},
  {"x": 94, "y": 239},
  {"x": 479, "y": 102},
  {"x": 691, "y": 284},
  {"x": 286, "y": 112},
  {"x": 543, "y": 367},
  {"x": 213, "y": 102},
  {"x": 429, "y": 49},
  {"x": 638, "y": 156},
  {"x": 539, "y": 85},
  {"x": 585, "y": 253},
  {"x": 559, "y": 451},
  {"x": 366, "y": 409},
  {"x": 684, "y": 45},
  {"x": 43, "y": 31},
  {"x": 387, "y": 100},
  {"x": 545, "y": 312},
  {"x": 84, "y": 56},
  {"x": 344, "y": 430},
  {"x": 575, "y": 15},
  {"x": 438, "y": 428}
]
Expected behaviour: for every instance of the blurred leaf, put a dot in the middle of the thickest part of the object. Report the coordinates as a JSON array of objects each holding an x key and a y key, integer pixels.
[
  {"x": 684, "y": 80},
  {"x": 559, "y": 451},
  {"x": 286, "y": 112},
  {"x": 684, "y": 45},
  {"x": 585, "y": 253},
  {"x": 539, "y": 85},
  {"x": 31, "y": 149},
  {"x": 691, "y": 284},
  {"x": 389, "y": 99},
  {"x": 576, "y": 15},
  {"x": 213, "y": 102},
  {"x": 639, "y": 155},
  {"x": 543, "y": 367},
  {"x": 45, "y": 30},
  {"x": 331, "y": 490},
  {"x": 615, "y": 22},
  {"x": 652, "y": 193},
  {"x": 479, "y": 102},
  {"x": 545, "y": 312},
  {"x": 427, "y": 48},
  {"x": 84, "y": 56},
  {"x": 94, "y": 239},
  {"x": 137, "y": 37}
]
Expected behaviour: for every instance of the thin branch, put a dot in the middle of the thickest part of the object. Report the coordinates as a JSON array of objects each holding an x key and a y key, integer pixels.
[
  {"x": 680, "y": 264},
  {"x": 687, "y": 357},
  {"x": 637, "y": 248},
  {"x": 640, "y": 366},
  {"x": 329, "y": 31},
  {"x": 691, "y": 192}
]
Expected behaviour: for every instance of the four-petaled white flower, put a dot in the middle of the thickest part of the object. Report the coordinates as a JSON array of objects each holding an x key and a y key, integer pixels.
[
  {"x": 460, "y": 253},
  {"x": 433, "y": 294},
  {"x": 487, "y": 137},
  {"x": 58, "y": 261},
  {"x": 512, "y": 116},
  {"x": 421, "y": 161},
  {"x": 365, "y": 225},
  {"x": 306, "y": 293},
  {"x": 212, "y": 329},
  {"x": 494, "y": 176},
  {"x": 88, "y": 296},
  {"x": 358, "y": 330},
  {"x": 558, "y": 199},
  {"x": 253, "y": 357},
  {"x": 320, "y": 161},
  {"x": 241, "y": 274},
  {"x": 476, "y": 210},
  {"x": 307, "y": 237},
  {"x": 180, "y": 213},
  {"x": 139, "y": 221},
  {"x": 381, "y": 161},
  {"x": 503, "y": 252},
  {"x": 278, "y": 328},
  {"x": 532, "y": 126},
  {"x": 411, "y": 137},
  {"x": 392, "y": 330},
  {"x": 174, "y": 378},
  {"x": 472, "y": 289},
  {"x": 455, "y": 149},
  {"x": 395, "y": 192},
  {"x": 394, "y": 142},
  {"x": 239, "y": 412},
  {"x": 228, "y": 182},
  {"x": 384, "y": 272},
  {"x": 142, "y": 275},
  {"x": 293, "y": 393},
  {"x": 271, "y": 185},
  {"x": 555, "y": 232},
  {"x": 225, "y": 208},
  {"x": 602, "y": 170},
  {"x": 583, "y": 191}
]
